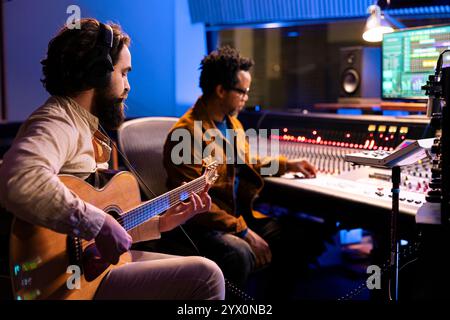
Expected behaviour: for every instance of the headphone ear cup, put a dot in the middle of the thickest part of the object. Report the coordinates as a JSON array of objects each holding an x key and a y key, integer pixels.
[
  {"x": 99, "y": 73},
  {"x": 94, "y": 71}
]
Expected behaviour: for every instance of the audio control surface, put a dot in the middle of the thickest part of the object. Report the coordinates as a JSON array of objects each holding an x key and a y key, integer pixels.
[
  {"x": 408, "y": 152},
  {"x": 325, "y": 140},
  {"x": 364, "y": 185}
]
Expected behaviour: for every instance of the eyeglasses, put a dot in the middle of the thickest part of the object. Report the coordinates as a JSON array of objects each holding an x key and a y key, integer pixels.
[{"x": 242, "y": 92}]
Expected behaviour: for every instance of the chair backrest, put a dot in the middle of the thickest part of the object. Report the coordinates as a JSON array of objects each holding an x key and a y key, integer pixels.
[{"x": 142, "y": 141}]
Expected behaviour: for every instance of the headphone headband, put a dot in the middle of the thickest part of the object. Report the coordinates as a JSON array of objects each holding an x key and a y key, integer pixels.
[
  {"x": 94, "y": 69},
  {"x": 99, "y": 64},
  {"x": 106, "y": 36}
]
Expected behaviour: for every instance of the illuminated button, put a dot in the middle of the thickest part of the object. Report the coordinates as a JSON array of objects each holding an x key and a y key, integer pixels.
[
  {"x": 371, "y": 128},
  {"x": 392, "y": 129},
  {"x": 381, "y": 128},
  {"x": 16, "y": 269},
  {"x": 403, "y": 130},
  {"x": 366, "y": 144}
]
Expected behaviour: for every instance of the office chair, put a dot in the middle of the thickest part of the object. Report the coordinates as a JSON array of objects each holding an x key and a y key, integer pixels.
[{"x": 142, "y": 141}]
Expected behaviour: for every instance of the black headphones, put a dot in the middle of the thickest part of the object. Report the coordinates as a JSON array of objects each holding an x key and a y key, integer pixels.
[{"x": 97, "y": 65}]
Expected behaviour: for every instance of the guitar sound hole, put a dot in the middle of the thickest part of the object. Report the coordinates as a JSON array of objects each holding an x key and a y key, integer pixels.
[{"x": 113, "y": 211}]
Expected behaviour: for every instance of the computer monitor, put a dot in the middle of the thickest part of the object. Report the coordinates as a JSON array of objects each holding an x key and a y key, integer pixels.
[{"x": 409, "y": 57}]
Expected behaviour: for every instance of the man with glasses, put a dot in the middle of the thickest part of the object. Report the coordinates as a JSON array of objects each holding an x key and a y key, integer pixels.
[{"x": 239, "y": 239}]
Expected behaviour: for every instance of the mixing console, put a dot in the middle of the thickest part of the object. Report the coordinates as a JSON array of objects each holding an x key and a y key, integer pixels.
[{"x": 324, "y": 140}]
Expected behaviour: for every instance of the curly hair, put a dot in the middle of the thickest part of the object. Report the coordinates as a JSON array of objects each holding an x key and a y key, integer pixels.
[
  {"x": 221, "y": 67},
  {"x": 67, "y": 52}
]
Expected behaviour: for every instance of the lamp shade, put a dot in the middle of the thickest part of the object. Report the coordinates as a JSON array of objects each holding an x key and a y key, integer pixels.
[{"x": 376, "y": 25}]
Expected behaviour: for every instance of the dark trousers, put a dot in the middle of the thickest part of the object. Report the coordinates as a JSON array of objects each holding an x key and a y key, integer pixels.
[{"x": 294, "y": 244}]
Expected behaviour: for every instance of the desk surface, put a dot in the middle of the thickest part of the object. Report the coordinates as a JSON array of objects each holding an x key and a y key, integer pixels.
[{"x": 383, "y": 105}]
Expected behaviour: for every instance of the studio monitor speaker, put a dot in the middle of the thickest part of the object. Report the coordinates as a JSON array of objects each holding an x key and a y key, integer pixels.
[{"x": 359, "y": 74}]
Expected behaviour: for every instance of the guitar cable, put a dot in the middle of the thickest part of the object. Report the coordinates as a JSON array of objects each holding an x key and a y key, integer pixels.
[
  {"x": 141, "y": 180},
  {"x": 229, "y": 285}
]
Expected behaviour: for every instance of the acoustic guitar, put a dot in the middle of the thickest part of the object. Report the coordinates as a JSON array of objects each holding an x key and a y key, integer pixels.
[{"x": 45, "y": 264}]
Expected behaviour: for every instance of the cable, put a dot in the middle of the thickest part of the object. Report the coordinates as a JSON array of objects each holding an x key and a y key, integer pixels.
[
  {"x": 411, "y": 248},
  {"x": 229, "y": 285},
  {"x": 127, "y": 162},
  {"x": 191, "y": 241}
]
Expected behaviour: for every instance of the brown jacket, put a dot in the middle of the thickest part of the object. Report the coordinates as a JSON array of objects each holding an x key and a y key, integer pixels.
[{"x": 223, "y": 215}]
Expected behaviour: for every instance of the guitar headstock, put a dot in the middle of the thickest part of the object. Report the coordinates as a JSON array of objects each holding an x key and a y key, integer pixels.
[{"x": 210, "y": 173}]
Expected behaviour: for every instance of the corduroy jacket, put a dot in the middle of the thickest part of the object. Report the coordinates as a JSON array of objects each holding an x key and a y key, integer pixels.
[{"x": 223, "y": 215}]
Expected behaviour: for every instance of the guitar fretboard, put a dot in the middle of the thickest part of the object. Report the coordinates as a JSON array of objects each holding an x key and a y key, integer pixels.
[{"x": 137, "y": 216}]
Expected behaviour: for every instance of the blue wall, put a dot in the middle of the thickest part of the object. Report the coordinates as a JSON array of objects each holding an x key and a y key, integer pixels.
[
  {"x": 190, "y": 47},
  {"x": 166, "y": 51}
]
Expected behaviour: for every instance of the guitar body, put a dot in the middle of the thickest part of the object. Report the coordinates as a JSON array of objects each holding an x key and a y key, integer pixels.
[{"x": 40, "y": 257}]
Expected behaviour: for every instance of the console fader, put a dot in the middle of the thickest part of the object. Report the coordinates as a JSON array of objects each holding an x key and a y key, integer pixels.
[{"x": 325, "y": 139}]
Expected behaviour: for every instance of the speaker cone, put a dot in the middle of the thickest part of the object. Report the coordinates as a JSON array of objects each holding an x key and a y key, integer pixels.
[{"x": 350, "y": 81}]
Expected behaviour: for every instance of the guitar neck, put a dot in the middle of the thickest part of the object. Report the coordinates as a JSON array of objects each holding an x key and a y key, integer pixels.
[{"x": 139, "y": 215}]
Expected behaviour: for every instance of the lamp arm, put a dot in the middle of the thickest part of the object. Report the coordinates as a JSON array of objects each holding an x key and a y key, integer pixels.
[{"x": 397, "y": 24}]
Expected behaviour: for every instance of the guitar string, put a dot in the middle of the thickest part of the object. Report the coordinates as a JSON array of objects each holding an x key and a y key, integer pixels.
[
  {"x": 136, "y": 216},
  {"x": 131, "y": 167},
  {"x": 243, "y": 295},
  {"x": 186, "y": 190},
  {"x": 139, "y": 215}
]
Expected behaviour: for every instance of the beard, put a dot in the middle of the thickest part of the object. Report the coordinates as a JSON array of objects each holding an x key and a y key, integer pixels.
[{"x": 108, "y": 109}]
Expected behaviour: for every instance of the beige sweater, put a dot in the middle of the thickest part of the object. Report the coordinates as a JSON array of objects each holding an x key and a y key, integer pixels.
[{"x": 55, "y": 139}]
